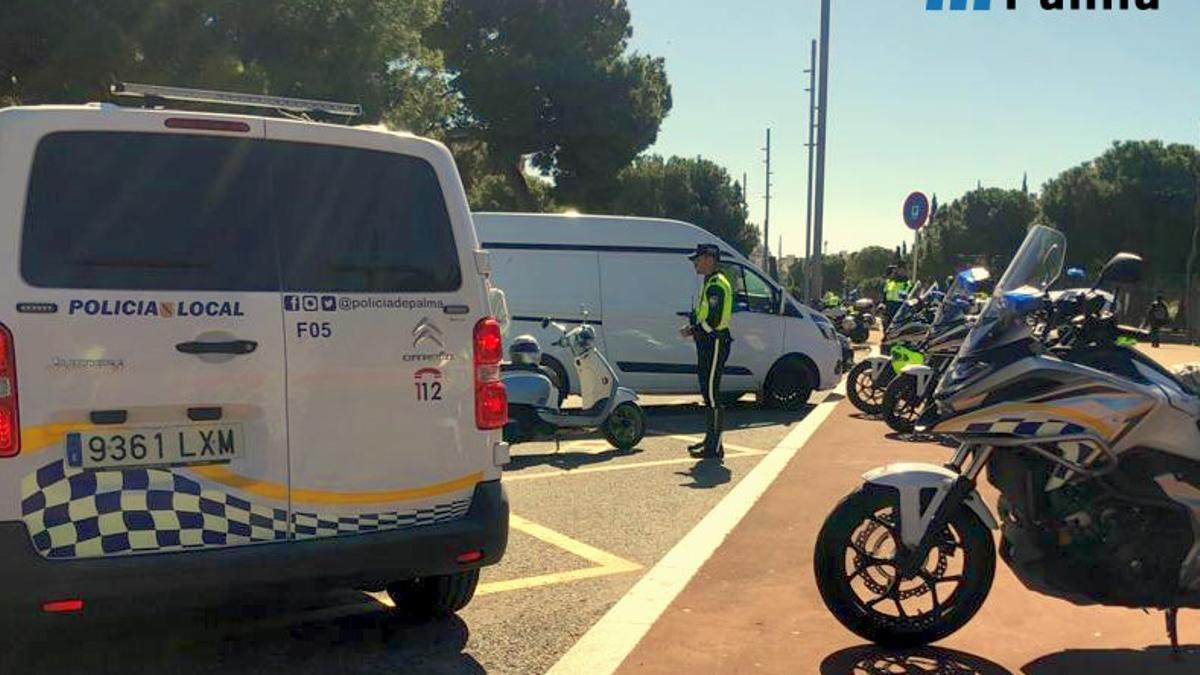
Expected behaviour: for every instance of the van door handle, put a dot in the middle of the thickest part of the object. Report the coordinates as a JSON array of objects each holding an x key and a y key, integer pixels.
[{"x": 230, "y": 347}]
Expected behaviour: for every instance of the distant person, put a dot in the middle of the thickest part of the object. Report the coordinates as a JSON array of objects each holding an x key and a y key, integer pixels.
[{"x": 1157, "y": 316}]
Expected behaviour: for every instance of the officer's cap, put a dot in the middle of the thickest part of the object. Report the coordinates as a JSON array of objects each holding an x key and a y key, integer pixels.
[{"x": 706, "y": 249}]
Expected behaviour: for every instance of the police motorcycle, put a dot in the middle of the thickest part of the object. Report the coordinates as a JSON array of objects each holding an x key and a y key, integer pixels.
[
  {"x": 536, "y": 392},
  {"x": 853, "y": 318},
  {"x": 867, "y": 380},
  {"x": 1095, "y": 451},
  {"x": 910, "y": 392}
]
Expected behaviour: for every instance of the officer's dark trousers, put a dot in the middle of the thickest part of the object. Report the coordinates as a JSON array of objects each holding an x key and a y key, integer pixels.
[
  {"x": 890, "y": 308},
  {"x": 712, "y": 353}
]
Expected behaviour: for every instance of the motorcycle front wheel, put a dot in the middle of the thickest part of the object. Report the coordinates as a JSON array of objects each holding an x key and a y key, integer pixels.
[
  {"x": 862, "y": 390},
  {"x": 856, "y": 569},
  {"x": 901, "y": 405}
]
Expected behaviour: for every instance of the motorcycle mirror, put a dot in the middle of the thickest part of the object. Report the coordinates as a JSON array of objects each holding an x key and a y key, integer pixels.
[
  {"x": 1122, "y": 268},
  {"x": 546, "y": 322}
]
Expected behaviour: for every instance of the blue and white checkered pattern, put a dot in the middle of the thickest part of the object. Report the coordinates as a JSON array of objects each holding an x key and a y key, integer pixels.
[
  {"x": 1021, "y": 427},
  {"x": 77, "y": 513}
]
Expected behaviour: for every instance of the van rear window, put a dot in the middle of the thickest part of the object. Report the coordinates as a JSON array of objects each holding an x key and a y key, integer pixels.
[{"x": 115, "y": 210}]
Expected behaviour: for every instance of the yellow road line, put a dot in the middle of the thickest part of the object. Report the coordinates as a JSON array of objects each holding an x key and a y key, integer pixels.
[
  {"x": 621, "y": 467},
  {"x": 548, "y": 580},
  {"x": 605, "y": 563}
]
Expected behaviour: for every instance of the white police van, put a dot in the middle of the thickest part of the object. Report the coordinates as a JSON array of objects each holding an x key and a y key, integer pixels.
[{"x": 240, "y": 351}]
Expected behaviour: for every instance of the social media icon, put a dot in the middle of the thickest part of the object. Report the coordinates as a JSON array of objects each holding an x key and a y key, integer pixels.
[
  {"x": 328, "y": 303},
  {"x": 291, "y": 303},
  {"x": 310, "y": 303}
]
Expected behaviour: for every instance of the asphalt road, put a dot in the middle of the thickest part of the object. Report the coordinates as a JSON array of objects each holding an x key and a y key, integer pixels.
[{"x": 588, "y": 521}]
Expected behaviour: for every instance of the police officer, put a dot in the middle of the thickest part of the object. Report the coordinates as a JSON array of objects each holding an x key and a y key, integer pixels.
[
  {"x": 709, "y": 326},
  {"x": 895, "y": 288}
]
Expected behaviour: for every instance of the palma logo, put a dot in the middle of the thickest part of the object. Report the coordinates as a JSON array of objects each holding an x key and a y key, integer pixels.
[{"x": 1049, "y": 5}]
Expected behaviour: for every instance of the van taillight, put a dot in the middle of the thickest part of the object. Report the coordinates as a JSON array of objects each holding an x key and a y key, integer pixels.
[
  {"x": 10, "y": 421},
  {"x": 491, "y": 401}
]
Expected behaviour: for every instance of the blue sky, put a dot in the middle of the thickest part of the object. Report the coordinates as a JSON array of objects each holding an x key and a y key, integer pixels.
[{"x": 934, "y": 101}]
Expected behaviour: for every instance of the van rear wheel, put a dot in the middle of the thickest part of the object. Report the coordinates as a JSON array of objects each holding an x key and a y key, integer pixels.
[{"x": 431, "y": 597}]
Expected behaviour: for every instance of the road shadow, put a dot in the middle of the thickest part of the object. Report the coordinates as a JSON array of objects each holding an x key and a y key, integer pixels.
[
  {"x": 568, "y": 460},
  {"x": 866, "y": 417},
  {"x": 911, "y": 437},
  {"x": 928, "y": 439},
  {"x": 671, "y": 420},
  {"x": 1158, "y": 660},
  {"x": 873, "y": 660},
  {"x": 349, "y": 633},
  {"x": 706, "y": 474}
]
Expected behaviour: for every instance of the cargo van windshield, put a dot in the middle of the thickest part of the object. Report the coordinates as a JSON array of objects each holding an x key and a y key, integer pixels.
[{"x": 136, "y": 211}]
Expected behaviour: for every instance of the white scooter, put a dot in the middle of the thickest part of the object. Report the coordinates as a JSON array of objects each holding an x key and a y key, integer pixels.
[{"x": 534, "y": 400}]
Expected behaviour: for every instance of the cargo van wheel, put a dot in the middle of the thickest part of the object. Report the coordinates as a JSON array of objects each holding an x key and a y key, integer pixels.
[
  {"x": 789, "y": 385},
  {"x": 430, "y": 597}
]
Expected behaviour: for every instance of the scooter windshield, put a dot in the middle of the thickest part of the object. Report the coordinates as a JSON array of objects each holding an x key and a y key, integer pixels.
[{"x": 1019, "y": 292}]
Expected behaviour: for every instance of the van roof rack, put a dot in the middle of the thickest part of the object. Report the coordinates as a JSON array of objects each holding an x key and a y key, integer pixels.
[{"x": 155, "y": 94}]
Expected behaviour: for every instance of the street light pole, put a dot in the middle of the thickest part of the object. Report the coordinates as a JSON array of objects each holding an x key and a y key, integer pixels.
[
  {"x": 812, "y": 128},
  {"x": 822, "y": 117},
  {"x": 767, "y": 212}
]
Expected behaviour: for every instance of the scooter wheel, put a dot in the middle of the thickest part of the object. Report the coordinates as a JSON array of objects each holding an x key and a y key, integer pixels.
[{"x": 625, "y": 426}]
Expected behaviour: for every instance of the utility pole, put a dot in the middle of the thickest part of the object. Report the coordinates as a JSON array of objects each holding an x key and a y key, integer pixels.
[
  {"x": 822, "y": 117},
  {"x": 812, "y": 128},
  {"x": 767, "y": 211}
]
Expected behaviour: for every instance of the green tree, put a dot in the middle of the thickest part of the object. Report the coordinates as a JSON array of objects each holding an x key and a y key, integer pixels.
[
  {"x": 867, "y": 263},
  {"x": 550, "y": 82},
  {"x": 366, "y": 51},
  {"x": 696, "y": 190},
  {"x": 1138, "y": 196},
  {"x": 984, "y": 226}
]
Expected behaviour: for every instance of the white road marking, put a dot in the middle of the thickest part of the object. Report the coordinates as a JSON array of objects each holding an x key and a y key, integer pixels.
[{"x": 604, "y": 648}]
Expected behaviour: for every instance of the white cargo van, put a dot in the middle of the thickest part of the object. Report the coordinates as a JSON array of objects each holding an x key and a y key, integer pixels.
[
  {"x": 631, "y": 278},
  {"x": 240, "y": 351}
]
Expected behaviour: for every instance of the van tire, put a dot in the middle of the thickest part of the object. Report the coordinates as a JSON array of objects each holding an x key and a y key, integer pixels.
[
  {"x": 563, "y": 382},
  {"x": 789, "y": 385},
  {"x": 419, "y": 600}
]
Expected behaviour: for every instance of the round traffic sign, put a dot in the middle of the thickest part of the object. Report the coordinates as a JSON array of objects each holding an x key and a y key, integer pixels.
[{"x": 916, "y": 210}]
